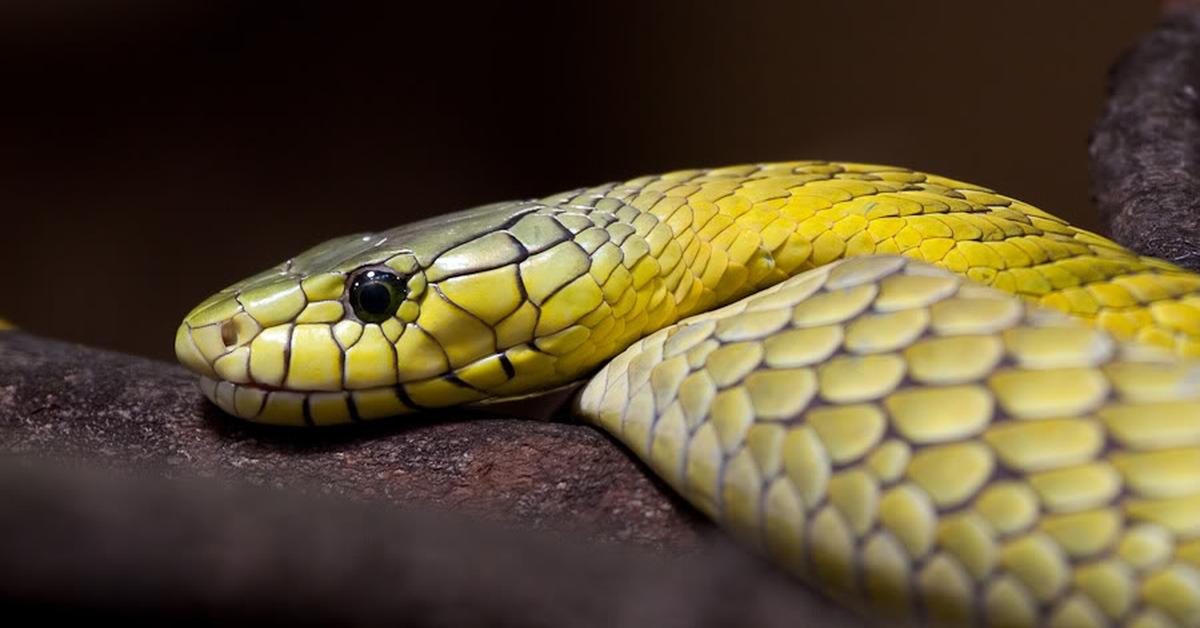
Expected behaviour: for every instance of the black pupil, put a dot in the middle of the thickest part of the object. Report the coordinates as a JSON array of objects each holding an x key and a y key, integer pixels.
[{"x": 376, "y": 295}]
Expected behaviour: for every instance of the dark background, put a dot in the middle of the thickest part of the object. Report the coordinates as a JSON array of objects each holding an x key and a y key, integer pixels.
[{"x": 152, "y": 152}]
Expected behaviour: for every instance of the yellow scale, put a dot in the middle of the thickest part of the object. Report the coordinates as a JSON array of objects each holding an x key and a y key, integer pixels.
[{"x": 896, "y": 428}]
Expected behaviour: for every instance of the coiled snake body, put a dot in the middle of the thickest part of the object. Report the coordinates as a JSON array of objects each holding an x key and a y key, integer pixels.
[{"x": 864, "y": 372}]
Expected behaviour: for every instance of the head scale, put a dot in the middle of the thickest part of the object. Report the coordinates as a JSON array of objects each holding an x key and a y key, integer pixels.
[{"x": 431, "y": 314}]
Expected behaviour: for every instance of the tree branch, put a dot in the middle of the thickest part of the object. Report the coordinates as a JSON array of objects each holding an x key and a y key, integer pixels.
[{"x": 1144, "y": 164}]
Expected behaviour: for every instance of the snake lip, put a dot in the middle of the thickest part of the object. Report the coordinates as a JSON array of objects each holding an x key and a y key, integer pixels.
[
  {"x": 253, "y": 385},
  {"x": 265, "y": 403},
  {"x": 242, "y": 400}
]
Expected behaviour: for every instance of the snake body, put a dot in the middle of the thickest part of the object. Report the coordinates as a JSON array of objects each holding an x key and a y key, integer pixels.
[{"x": 931, "y": 401}]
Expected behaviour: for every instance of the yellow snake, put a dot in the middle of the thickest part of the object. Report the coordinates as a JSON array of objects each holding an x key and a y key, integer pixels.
[{"x": 828, "y": 359}]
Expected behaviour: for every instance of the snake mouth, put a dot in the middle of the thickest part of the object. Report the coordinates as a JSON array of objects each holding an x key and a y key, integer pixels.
[
  {"x": 262, "y": 402},
  {"x": 276, "y": 406}
]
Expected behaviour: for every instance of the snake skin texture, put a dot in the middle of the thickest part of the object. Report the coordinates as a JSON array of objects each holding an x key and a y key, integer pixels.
[
  {"x": 915, "y": 443},
  {"x": 891, "y": 428}
]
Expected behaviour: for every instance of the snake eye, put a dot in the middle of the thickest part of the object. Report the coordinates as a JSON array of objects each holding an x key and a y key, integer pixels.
[{"x": 376, "y": 295}]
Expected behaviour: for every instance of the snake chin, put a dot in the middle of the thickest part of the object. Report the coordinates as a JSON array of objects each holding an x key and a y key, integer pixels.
[
  {"x": 273, "y": 405},
  {"x": 225, "y": 395}
]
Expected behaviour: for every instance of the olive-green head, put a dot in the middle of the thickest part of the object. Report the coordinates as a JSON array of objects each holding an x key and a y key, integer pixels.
[{"x": 370, "y": 325}]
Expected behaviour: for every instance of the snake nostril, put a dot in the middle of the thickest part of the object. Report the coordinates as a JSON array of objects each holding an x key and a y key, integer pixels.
[{"x": 229, "y": 334}]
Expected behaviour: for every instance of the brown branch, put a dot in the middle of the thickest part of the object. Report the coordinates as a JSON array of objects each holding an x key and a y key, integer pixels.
[
  {"x": 1144, "y": 148},
  {"x": 75, "y": 542}
]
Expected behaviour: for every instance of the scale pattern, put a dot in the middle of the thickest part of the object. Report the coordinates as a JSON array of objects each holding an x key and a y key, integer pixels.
[
  {"x": 519, "y": 297},
  {"x": 917, "y": 444},
  {"x": 743, "y": 226},
  {"x": 918, "y": 430}
]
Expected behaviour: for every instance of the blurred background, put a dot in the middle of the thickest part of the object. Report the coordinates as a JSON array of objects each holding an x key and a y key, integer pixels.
[{"x": 154, "y": 152}]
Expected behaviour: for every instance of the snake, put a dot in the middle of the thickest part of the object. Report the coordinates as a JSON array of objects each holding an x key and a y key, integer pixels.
[{"x": 933, "y": 403}]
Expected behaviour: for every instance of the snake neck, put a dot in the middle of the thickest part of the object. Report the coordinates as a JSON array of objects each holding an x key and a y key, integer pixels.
[{"x": 665, "y": 247}]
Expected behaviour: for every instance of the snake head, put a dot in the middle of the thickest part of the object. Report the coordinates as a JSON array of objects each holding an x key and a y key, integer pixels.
[
  {"x": 283, "y": 346},
  {"x": 427, "y": 315}
]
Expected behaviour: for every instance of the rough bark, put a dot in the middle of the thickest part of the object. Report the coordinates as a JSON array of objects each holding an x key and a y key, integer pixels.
[
  {"x": 132, "y": 413},
  {"x": 1145, "y": 148},
  {"x": 85, "y": 547},
  {"x": 338, "y": 530}
]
